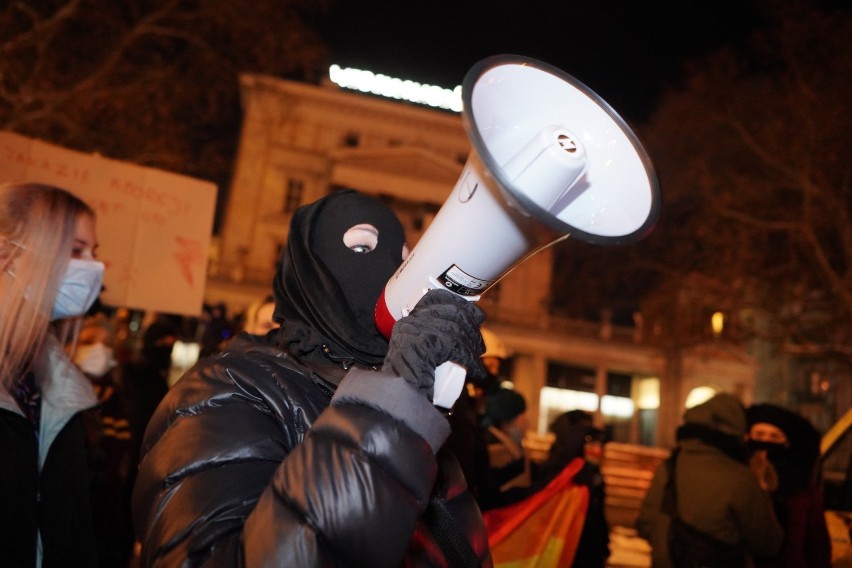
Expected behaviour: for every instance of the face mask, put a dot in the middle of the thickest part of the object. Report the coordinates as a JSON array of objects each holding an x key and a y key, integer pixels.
[
  {"x": 593, "y": 451},
  {"x": 774, "y": 451},
  {"x": 95, "y": 359},
  {"x": 79, "y": 288}
]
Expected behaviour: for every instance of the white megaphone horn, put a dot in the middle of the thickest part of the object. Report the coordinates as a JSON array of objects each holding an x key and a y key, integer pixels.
[{"x": 550, "y": 159}]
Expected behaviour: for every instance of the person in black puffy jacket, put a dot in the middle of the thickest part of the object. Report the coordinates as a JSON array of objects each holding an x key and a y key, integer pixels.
[{"x": 318, "y": 445}]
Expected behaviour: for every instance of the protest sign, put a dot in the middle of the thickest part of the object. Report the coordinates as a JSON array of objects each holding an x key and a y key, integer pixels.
[{"x": 153, "y": 226}]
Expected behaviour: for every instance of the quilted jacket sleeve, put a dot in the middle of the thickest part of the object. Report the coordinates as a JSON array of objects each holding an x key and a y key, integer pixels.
[{"x": 242, "y": 470}]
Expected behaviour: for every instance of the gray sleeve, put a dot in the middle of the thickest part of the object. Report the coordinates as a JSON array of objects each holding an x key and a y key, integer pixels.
[{"x": 394, "y": 396}]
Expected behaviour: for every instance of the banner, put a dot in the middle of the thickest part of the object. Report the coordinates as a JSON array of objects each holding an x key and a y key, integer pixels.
[
  {"x": 153, "y": 226},
  {"x": 543, "y": 530}
]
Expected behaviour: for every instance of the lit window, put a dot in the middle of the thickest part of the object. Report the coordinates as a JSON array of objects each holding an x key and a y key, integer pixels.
[
  {"x": 293, "y": 197},
  {"x": 351, "y": 140},
  {"x": 699, "y": 395}
]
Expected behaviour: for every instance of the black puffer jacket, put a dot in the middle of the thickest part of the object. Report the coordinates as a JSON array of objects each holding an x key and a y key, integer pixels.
[{"x": 250, "y": 461}]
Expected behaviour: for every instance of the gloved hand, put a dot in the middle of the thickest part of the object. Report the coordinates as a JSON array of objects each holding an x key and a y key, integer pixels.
[
  {"x": 767, "y": 475},
  {"x": 442, "y": 327}
]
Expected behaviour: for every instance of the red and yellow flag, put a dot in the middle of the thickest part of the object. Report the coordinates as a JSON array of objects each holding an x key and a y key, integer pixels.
[{"x": 544, "y": 529}]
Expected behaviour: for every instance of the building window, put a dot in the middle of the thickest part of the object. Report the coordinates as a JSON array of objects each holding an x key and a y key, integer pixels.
[
  {"x": 570, "y": 377},
  {"x": 351, "y": 140},
  {"x": 293, "y": 197},
  {"x": 279, "y": 250}
]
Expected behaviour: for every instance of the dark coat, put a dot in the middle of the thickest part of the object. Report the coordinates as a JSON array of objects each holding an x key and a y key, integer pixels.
[
  {"x": 716, "y": 491},
  {"x": 254, "y": 460},
  {"x": 55, "y": 500}
]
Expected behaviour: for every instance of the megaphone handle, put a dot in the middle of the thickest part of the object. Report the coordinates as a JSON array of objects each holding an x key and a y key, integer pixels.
[{"x": 449, "y": 382}]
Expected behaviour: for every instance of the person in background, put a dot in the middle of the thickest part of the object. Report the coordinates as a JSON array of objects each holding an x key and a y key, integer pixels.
[
  {"x": 318, "y": 444},
  {"x": 111, "y": 456},
  {"x": 467, "y": 420},
  {"x": 146, "y": 378},
  {"x": 124, "y": 340},
  {"x": 716, "y": 492},
  {"x": 784, "y": 452},
  {"x": 258, "y": 316},
  {"x": 509, "y": 474},
  {"x": 216, "y": 329},
  {"x": 576, "y": 438},
  {"x": 494, "y": 357},
  {"x": 49, "y": 278}
]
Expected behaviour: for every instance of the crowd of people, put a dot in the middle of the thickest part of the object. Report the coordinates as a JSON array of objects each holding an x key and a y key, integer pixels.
[{"x": 311, "y": 439}]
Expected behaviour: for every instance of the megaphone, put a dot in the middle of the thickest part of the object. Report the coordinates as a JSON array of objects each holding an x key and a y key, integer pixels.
[{"x": 550, "y": 160}]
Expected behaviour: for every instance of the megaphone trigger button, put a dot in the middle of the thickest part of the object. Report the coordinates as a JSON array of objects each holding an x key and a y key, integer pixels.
[{"x": 567, "y": 143}]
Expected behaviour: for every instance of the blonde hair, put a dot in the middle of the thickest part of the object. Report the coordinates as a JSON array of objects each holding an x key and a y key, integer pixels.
[{"x": 37, "y": 229}]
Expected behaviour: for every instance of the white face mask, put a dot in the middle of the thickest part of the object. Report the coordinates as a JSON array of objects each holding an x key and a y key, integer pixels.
[
  {"x": 79, "y": 288},
  {"x": 95, "y": 359}
]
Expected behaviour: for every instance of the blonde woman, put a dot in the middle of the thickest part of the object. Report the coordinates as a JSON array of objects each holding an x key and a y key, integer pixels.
[{"x": 48, "y": 279}]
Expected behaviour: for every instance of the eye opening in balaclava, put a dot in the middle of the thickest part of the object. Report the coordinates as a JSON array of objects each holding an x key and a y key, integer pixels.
[{"x": 362, "y": 238}]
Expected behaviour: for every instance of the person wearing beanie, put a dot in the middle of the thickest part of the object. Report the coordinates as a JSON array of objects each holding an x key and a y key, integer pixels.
[
  {"x": 714, "y": 490},
  {"x": 509, "y": 475},
  {"x": 784, "y": 452}
]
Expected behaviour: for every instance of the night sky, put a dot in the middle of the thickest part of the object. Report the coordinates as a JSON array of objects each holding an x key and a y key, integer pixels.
[{"x": 624, "y": 50}]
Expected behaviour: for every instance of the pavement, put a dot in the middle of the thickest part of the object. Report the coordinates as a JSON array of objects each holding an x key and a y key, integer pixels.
[{"x": 627, "y": 549}]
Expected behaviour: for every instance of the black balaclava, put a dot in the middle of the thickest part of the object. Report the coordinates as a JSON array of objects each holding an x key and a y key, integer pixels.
[{"x": 326, "y": 293}]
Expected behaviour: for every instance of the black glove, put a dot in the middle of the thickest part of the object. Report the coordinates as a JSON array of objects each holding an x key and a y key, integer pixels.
[{"x": 442, "y": 327}]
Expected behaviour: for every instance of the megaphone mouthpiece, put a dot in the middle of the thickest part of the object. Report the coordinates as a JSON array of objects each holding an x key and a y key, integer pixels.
[{"x": 547, "y": 166}]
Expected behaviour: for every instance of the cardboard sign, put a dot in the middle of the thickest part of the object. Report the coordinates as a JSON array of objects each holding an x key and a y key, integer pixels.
[{"x": 153, "y": 226}]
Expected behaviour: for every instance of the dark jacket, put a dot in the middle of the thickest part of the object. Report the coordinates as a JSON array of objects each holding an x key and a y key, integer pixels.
[
  {"x": 254, "y": 460},
  {"x": 716, "y": 491},
  {"x": 44, "y": 479}
]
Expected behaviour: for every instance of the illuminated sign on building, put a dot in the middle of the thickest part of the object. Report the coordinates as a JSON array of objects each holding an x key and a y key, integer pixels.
[{"x": 369, "y": 82}]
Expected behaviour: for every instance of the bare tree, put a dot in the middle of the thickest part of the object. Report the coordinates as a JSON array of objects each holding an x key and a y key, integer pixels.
[
  {"x": 754, "y": 155},
  {"x": 753, "y": 149},
  {"x": 153, "y": 82}
]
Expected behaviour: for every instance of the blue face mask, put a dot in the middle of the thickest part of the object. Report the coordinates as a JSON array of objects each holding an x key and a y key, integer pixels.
[{"x": 79, "y": 288}]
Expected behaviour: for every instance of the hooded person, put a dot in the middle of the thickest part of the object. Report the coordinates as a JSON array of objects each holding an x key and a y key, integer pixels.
[
  {"x": 715, "y": 492},
  {"x": 318, "y": 444},
  {"x": 784, "y": 452}
]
